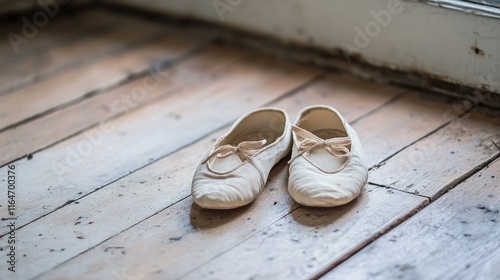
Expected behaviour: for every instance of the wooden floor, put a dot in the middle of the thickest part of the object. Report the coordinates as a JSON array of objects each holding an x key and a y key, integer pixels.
[{"x": 105, "y": 121}]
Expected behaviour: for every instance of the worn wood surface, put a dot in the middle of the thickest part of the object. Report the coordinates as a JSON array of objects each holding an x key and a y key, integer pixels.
[
  {"x": 167, "y": 182},
  {"x": 153, "y": 131},
  {"x": 87, "y": 79},
  {"x": 105, "y": 189},
  {"x": 326, "y": 90},
  {"x": 309, "y": 239},
  {"x": 445, "y": 157},
  {"x": 179, "y": 239},
  {"x": 456, "y": 237},
  {"x": 54, "y": 127},
  {"x": 85, "y": 222},
  {"x": 88, "y": 46}
]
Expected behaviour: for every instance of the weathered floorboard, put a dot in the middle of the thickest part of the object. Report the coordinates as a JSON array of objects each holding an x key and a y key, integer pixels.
[
  {"x": 88, "y": 47},
  {"x": 153, "y": 131},
  {"x": 328, "y": 91},
  {"x": 183, "y": 237},
  {"x": 110, "y": 71},
  {"x": 53, "y": 127},
  {"x": 175, "y": 179},
  {"x": 456, "y": 237},
  {"x": 80, "y": 227},
  {"x": 84, "y": 223},
  {"x": 309, "y": 239}
]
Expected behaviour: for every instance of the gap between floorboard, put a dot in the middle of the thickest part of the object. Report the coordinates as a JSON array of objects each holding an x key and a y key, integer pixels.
[
  {"x": 394, "y": 189},
  {"x": 387, "y": 103},
  {"x": 382, "y": 162}
]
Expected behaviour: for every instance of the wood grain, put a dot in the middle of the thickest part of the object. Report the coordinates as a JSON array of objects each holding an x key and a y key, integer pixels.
[
  {"x": 401, "y": 123},
  {"x": 445, "y": 157},
  {"x": 150, "y": 190},
  {"x": 335, "y": 85},
  {"x": 40, "y": 133},
  {"x": 302, "y": 243},
  {"x": 326, "y": 91},
  {"x": 373, "y": 234},
  {"x": 88, "y": 46},
  {"x": 179, "y": 239},
  {"x": 108, "y": 72},
  {"x": 125, "y": 144},
  {"x": 456, "y": 237}
]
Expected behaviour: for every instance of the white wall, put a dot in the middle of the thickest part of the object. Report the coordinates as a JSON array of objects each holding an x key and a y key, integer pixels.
[{"x": 453, "y": 45}]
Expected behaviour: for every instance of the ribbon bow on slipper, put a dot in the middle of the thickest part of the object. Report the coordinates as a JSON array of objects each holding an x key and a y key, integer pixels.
[
  {"x": 244, "y": 150},
  {"x": 337, "y": 146}
]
